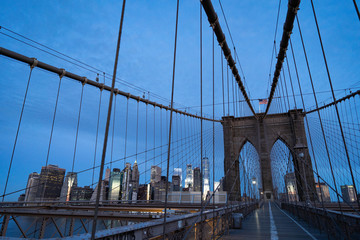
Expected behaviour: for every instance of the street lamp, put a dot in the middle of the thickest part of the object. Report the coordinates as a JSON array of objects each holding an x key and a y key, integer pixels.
[{"x": 254, "y": 182}]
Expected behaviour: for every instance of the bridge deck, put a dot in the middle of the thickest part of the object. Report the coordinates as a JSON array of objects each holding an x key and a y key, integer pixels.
[{"x": 270, "y": 222}]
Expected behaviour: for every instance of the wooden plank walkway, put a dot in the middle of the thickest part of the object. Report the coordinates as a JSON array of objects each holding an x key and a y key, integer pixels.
[{"x": 271, "y": 222}]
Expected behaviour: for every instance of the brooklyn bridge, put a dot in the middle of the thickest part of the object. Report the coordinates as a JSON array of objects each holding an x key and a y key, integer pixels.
[{"x": 180, "y": 120}]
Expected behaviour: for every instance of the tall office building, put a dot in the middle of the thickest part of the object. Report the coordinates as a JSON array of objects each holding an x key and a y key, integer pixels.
[
  {"x": 70, "y": 181},
  {"x": 206, "y": 178},
  {"x": 159, "y": 188},
  {"x": 290, "y": 184},
  {"x": 155, "y": 174},
  {"x": 176, "y": 183},
  {"x": 178, "y": 172},
  {"x": 135, "y": 176},
  {"x": 107, "y": 174},
  {"x": 115, "y": 184},
  {"x": 323, "y": 192},
  {"x": 189, "y": 179},
  {"x": 102, "y": 192},
  {"x": 197, "y": 179},
  {"x": 81, "y": 193},
  {"x": 32, "y": 187},
  {"x": 348, "y": 193},
  {"x": 50, "y": 183},
  {"x": 126, "y": 185}
]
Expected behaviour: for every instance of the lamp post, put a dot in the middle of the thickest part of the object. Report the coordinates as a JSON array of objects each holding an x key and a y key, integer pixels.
[{"x": 254, "y": 182}]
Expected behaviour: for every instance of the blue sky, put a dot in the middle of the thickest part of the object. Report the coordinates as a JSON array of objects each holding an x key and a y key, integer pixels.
[{"x": 87, "y": 31}]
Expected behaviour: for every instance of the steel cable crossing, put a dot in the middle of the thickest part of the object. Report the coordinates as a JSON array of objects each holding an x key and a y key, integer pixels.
[
  {"x": 93, "y": 230},
  {"x": 214, "y": 22},
  {"x": 293, "y": 7},
  {"x": 171, "y": 115},
  {"x": 63, "y": 73}
]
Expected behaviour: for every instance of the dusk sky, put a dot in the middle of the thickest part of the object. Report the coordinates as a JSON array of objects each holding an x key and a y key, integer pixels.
[{"x": 87, "y": 31}]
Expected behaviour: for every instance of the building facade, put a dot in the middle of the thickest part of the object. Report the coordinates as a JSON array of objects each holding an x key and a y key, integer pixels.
[
  {"x": 322, "y": 191},
  {"x": 348, "y": 193},
  {"x": 70, "y": 181},
  {"x": 50, "y": 183},
  {"x": 206, "y": 177},
  {"x": 155, "y": 174},
  {"x": 81, "y": 193},
  {"x": 197, "y": 180},
  {"x": 178, "y": 172},
  {"x": 32, "y": 187},
  {"x": 189, "y": 179}
]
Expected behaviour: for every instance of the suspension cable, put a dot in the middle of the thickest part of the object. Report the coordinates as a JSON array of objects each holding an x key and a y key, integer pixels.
[
  {"x": 18, "y": 128},
  {"x": 334, "y": 98},
  {"x": 213, "y": 125},
  {"x": 93, "y": 230},
  {"x": 201, "y": 125},
  {"x": 97, "y": 134},
  {"x": 356, "y": 9},
  {"x": 77, "y": 127},
  {"x": 171, "y": 115},
  {"x": 316, "y": 102},
  {"x": 293, "y": 7}
]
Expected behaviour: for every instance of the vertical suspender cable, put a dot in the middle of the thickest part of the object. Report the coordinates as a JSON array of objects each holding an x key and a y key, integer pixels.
[
  {"x": 306, "y": 119},
  {"x": 52, "y": 129},
  {"x": 77, "y": 127},
  {"x": 201, "y": 127},
  {"x": 222, "y": 80},
  {"x": 228, "y": 102},
  {"x": 146, "y": 137},
  {"x": 112, "y": 135},
  {"x": 286, "y": 90},
  {"x": 171, "y": 114},
  {"x": 154, "y": 134},
  {"x": 93, "y": 230},
  {"x": 137, "y": 129},
  {"x": 126, "y": 129},
  {"x": 97, "y": 134},
  {"x": 292, "y": 88},
  {"x": 316, "y": 102},
  {"x": 18, "y": 128},
  {"x": 333, "y": 95},
  {"x": 213, "y": 132},
  {"x": 161, "y": 138},
  {"x": 233, "y": 95}
]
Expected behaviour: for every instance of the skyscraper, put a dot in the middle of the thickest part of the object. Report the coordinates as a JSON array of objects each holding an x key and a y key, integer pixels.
[
  {"x": 32, "y": 187},
  {"x": 135, "y": 175},
  {"x": 115, "y": 184},
  {"x": 155, "y": 174},
  {"x": 324, "y": 193},
  {"x": 206, "y": 180},
  {"x": 70, "y": 181},
  {"x": 197, "y": 179},
  {"x": 189, "y": 179},
  {"x": 126, "y": 185},
  {"x": 81, "y": 193},
  {"x": 178, "y": 172},
  {"x": 50, "y": 183},
  {"x": 348, "y": 193},
  {"x": 176, "y": 183},
  {"x": 290, "y": 184}
]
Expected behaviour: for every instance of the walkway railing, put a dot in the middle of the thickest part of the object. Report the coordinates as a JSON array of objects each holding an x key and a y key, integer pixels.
[
  {"x": 122, "y": 222},
  {"x": 336, "y": 224}
]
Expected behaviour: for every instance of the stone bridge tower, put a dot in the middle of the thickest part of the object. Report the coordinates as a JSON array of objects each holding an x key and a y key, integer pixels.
[{"x": 262, "y": 133}]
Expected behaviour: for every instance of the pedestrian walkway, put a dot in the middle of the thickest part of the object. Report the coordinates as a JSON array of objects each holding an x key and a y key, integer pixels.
[{"x": 271, "y": 222}]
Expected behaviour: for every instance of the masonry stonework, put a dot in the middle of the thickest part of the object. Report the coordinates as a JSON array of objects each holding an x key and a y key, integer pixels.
[{"x": 262, "y": 133}]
